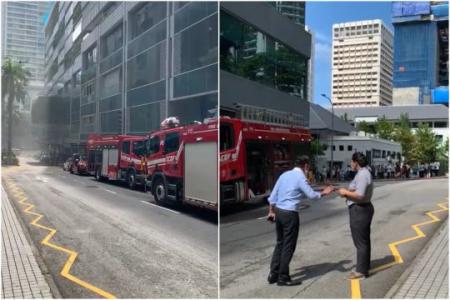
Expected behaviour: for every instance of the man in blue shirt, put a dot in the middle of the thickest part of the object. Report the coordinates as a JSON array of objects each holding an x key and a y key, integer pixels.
[{"x": 284, "y": 205}]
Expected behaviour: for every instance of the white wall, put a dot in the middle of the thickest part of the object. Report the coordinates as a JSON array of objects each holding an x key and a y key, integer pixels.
[{"x": 359, "y": 144}]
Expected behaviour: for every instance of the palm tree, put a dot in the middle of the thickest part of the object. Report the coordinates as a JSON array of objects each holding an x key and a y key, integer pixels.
[{"x": 14, "y": 82}]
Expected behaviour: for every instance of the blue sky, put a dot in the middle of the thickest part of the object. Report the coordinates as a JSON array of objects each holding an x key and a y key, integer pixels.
[{"x": 320, "y": 17}]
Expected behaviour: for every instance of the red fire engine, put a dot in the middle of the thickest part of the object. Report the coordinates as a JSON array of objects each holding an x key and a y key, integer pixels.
[
  {"x": 182, "y": 164},
  {"x": 117, "y": 157},
  {"x": 254, "y": 151}
]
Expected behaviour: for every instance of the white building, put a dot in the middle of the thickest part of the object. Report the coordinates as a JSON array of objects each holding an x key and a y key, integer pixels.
[
  {"x": 379, "y": 152},
  {"x": 435, "y": 115},
  {"x": 362, "y": 61}
]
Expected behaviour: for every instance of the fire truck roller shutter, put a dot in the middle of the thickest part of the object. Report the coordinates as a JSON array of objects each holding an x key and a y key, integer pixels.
[{"x": 200, "y": 173}]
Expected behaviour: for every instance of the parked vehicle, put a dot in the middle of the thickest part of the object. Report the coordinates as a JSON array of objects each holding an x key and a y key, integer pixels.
[
  {"x": 117, "y": 158},
  {"x": 182, "y": 164},
  {"x": 79, "y": 165},
  {"x": 254, "y": 153}
]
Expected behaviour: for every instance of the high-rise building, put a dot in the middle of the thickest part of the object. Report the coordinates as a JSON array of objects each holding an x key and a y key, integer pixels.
[
  {"x": 420, "y": 52},
  {"x": 362, "y": 61},
  {"x": 264, "y": 62},
  {"x": 125, "y": 66},
  {"x": 294, "y": 10},
  {"x": 311, "y": 66},
  {"x": 23, "y": 41}
]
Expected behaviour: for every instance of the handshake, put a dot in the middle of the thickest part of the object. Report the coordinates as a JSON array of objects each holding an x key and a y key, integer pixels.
[{"x": 328, "y": 190}]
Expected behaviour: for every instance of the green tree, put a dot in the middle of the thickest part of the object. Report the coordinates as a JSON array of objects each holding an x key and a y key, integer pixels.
[
  {"x": 365, "y": 127},
  {"x": 316, "y": 148},
  {"x": 443, "y": 151},
  {"x": 14, "y": 82},
  {"x": 403, "y": 134},
  {"x": 384, "y": 129},
  {"x": 426, "y": 146}
]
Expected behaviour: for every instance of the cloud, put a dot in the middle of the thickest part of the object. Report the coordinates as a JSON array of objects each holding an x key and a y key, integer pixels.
[
  {"x": 323, "y": 52},
  {"x": 321, "y": 37},
  {"x": 322, "y": 47}
]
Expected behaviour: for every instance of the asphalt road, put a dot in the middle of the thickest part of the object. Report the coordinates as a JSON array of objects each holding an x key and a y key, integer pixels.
[
  {"x": 126, "y": 245},
  {"x": 325, "y": 253}
]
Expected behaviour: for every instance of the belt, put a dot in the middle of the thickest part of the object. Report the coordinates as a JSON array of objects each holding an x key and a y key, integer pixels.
[{"x": 361, "y": 204}]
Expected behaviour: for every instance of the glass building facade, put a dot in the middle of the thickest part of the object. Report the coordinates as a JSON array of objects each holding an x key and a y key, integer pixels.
[
  {"x": 421, "y": 48},
  {"x": 252, "y": 54},
  {"x": 23, "y": 40},
  {"x": 139, "y": 63}
]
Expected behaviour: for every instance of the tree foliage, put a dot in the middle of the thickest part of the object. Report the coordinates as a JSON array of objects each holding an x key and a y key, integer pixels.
[
  {"x": 421, "y": 146},
  {"x": 366, "y": 127},
  {"x": 426, "y": 145},
  {"x": 384, "y": 129},
  {"x": 14, "y": 82}
]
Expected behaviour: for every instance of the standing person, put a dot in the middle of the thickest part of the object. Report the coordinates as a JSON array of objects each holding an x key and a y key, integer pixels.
[
  {"x": 284, "y": 205},
  {"x": 358, "y": 197}
]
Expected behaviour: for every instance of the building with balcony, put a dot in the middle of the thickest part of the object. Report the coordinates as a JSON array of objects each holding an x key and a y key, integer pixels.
[
  {"x": 125, "y": 66},
  {"x": 362, "y": 61}
]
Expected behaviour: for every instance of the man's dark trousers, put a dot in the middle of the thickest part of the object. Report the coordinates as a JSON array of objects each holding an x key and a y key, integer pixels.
[
  {"x": 287, "y": 224},
  {"x": 360, "y": 220}
]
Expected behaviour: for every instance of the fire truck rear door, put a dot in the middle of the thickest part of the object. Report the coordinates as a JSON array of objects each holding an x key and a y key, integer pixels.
[
  {"x": 200, "y": 172},
  {"x": 105, "y": 162}
]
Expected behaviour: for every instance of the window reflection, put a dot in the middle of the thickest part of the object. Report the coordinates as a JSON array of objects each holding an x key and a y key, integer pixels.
[{"x": 252, "y": 54}]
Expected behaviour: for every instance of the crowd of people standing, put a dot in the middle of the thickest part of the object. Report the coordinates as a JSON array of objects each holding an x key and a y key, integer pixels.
[{"x": 385, "y": 171}]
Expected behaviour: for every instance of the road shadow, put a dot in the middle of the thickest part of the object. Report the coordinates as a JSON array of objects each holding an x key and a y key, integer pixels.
[
  {"x": 377, "y": 263},
  {"x": 234, "y": 208},
  {"x": 318, "y": 270}
]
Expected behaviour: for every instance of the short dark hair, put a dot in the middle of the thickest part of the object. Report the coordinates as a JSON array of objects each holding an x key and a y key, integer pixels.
[
  {"x": 302, "y": 160},
  {"x": 360, "y": 159}
]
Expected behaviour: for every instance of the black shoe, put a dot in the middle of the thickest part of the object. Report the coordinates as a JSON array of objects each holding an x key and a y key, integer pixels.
[
  {"x": 288, "y": 282},
  {"x": 272, "y": 278}
]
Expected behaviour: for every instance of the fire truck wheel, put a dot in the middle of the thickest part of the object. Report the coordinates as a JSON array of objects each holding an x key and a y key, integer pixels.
[
  {"x": 159, "y": 190},
  {"x": 131, "y": 180}
]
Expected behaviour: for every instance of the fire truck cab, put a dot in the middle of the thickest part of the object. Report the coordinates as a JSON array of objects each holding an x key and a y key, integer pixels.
[
  {"x": 182, "y": 164},
  {"x": 255, "y": 152},
  {"x": 117, "y": 157}
]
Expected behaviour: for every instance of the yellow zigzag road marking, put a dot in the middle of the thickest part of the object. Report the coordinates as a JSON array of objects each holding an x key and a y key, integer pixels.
[
  {"x": 46, "y": 241},
  {"x": 355, "y": 284}
]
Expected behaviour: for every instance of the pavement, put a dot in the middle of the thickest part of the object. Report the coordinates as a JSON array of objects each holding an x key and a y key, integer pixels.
[
  {"x": 325, "y": 253},
  {"x": 427, "y": 277},
  {"x": 21, "y": 276},
  {"x": 101, "y": 239}
]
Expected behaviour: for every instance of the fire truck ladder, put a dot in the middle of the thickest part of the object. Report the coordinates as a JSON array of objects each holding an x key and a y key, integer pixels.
[{"x": 270, "y": 116}]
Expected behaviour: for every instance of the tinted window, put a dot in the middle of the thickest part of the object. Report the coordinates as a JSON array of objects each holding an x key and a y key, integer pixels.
[
  {"x": 153, "y": 145},
  {"x": 146, "y": 17},
  {"x": 341, "y": 148},
  {"x": 350, "y": 148},
  {"x": 172, "y": 142},
  {"x": 112, "y": 41},
  {"x": 139, "y": 148},
  {"x": 126, "y": 147}
]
